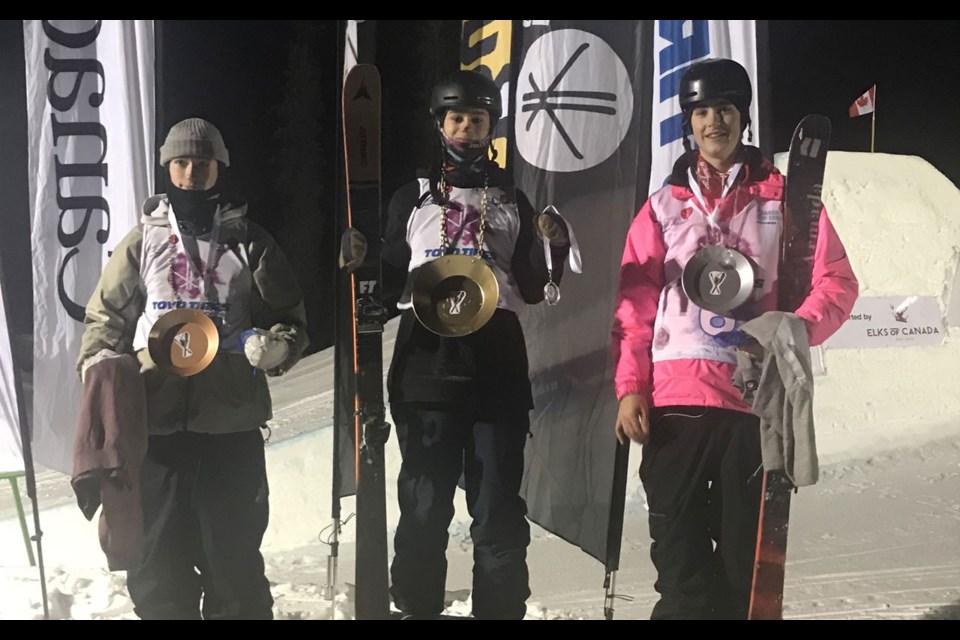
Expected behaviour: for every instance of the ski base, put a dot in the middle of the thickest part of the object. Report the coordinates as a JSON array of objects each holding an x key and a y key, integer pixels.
[
  {"x": 807, "y": 160},
  {"x": 766, "y": 596},
  {"x": 361, "y": 129}
]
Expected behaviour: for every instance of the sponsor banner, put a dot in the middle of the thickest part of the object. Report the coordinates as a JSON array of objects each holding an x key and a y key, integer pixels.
[
  {"x": 486, "y": 46},
  {"x": 350, "y": 46},
  {"x": 678, "y": 44},
  {"x": 891, "y": 321},
  {"x": 90, "y": 121},
  {"x": 580, "y": 138},
  {"x": 11, "y": 451},
  {"x": 582, "y": 123}
]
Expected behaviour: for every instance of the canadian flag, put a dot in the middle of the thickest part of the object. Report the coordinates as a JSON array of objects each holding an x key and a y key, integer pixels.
[{"x": 864, "y": 104}]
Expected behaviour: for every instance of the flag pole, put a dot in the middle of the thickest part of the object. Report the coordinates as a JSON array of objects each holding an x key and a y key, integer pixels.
[{"x": 873, "y": 119}]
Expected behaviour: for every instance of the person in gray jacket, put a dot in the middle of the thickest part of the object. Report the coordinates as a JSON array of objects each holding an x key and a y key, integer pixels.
[{"x": 203, "y": 484}]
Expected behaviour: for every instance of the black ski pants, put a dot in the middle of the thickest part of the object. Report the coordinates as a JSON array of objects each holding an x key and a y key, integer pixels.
[
  {"x": 437, "y": 445},
  {"x": 702, "y": 473},
  {"x": 205, "y": 508}
]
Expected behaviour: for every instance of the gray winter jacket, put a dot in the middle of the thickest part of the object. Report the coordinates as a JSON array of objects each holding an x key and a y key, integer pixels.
[
  {"x": 777, "y": 383},
  {"x": 229, "y": 395}
]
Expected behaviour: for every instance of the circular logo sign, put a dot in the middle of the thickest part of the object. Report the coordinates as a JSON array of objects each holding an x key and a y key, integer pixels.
[{"x": 574, "y": 101}]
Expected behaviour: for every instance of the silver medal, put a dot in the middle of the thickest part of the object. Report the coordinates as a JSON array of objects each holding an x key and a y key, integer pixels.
[{"x": 551, "y": 293}]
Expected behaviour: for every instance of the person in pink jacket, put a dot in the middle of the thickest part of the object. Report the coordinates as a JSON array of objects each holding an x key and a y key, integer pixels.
[{"x": 674, "y": 361}]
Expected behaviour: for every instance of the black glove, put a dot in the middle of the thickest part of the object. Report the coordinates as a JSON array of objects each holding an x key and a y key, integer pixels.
[
  {"x": 87, "y": 489},
  {"x": 353, "y": 249}
]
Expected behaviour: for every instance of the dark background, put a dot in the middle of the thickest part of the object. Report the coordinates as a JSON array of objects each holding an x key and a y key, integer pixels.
[{"x": 271, "y": 88}]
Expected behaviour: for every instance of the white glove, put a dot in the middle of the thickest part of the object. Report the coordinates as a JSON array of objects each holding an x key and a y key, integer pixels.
[{"x": 264, "y": 349}]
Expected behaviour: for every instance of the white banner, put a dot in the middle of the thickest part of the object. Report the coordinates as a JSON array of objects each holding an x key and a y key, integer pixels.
[
  {"x": 678, "y": 44},
  {"x": 11, "y": 451},
  {"x": 90, "y": 118},
  {"x": 891, "y": 321},
  {"x": 350, "y": 47}
]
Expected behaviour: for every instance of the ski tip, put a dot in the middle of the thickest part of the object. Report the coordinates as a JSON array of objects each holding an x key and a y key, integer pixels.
[
  {"x": 362, "y": 82},
  {"x": 363, "y": 70},
  {"x": 813, "y": 121}
]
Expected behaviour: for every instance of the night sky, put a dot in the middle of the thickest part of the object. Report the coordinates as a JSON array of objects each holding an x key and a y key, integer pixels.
[
  {"x": 822, "y": 66},
  {"x": 237, "y": 73}
]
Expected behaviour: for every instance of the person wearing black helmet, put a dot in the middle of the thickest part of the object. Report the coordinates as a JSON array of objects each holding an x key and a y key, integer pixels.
[
  {"x": 675, "y": 350},
  {"x": 461, "y": 403}
]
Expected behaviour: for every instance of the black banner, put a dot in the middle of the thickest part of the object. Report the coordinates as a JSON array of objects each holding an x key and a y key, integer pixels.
[{"x": 581, "y": 144}]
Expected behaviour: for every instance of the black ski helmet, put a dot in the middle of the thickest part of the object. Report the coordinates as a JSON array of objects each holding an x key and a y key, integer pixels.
[
  {"x": 469, "y": 89},
  {"x": 716, "y": 79}
]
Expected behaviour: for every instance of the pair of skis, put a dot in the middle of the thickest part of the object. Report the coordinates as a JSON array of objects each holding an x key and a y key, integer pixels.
[
  {"x": 360, "y": 428},
  {"x": 802, "y": 203}
]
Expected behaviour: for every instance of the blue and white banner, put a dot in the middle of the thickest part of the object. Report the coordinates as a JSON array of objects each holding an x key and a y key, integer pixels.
[
  {"x": 676, "y": 45},
  {"x": 90, "y": 119}
]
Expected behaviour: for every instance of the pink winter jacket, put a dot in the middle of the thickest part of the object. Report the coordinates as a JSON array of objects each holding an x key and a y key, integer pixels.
[{"x": 645, "y": 291}]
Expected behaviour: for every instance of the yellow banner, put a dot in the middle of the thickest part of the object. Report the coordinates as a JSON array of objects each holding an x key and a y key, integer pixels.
[{"x": 486, "y": 47}]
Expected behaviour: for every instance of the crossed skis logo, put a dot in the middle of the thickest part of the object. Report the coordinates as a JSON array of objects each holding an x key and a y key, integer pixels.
[
  {"x": 455, "y": 302},
  {"x": 577, "y": 110},
  {"x": 462, "y": 223},
  {"x": 541, "y": 101},
  {"x": 182, "y": 340},
  {"x": 716, "y": 279},
  {"x": 188, "y": 281}
]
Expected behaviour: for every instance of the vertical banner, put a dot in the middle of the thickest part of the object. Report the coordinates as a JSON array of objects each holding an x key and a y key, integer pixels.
[
  {"x": 580, "y": 132},
  {"x": 486, "y": 46},
  {"x": 349, "y": 46},
  {"x": 678, "y": 44},
  {"x": 587, "y": 95},
  {"x": 11, "y": 451},
  {"x": 90, "y": 119}
]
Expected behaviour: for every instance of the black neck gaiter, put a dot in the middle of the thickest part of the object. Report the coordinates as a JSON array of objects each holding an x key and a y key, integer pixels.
[{"x": 194, "y": 209}]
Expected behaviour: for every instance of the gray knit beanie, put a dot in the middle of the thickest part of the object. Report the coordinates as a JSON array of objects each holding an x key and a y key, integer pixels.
[{"x": 197, "y": 138}]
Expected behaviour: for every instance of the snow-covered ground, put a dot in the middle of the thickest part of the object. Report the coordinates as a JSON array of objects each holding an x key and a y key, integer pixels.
[{"x": 877, "y": 537}]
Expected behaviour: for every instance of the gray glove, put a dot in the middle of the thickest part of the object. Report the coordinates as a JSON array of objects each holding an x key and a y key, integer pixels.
[
  {"x": 353, "y": 249},
  {"x": 554, "y": 229}
]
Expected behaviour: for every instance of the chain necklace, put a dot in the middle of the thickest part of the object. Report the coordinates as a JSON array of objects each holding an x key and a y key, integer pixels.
[{"x": 444, "y": 241}]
